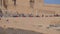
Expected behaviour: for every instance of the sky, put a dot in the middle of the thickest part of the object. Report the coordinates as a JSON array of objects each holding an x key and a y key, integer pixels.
[{"x": 52, "y": 1}]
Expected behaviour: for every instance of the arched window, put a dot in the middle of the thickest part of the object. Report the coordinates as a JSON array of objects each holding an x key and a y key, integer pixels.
[
  {"x": 31, "y": 3},
  {"x": 14, "y": 2},
  {"x": 5, "y": 3},
  {"x": 0, "y": 3}
]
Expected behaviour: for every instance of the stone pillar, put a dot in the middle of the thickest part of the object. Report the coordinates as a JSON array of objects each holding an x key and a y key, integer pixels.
[{"x": 38, "y": 7}]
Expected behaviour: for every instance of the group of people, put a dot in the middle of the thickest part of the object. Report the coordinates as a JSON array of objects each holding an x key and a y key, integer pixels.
[{"x": 27, "y": 15}]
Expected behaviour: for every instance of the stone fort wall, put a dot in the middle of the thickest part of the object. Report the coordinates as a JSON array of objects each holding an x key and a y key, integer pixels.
[{"x": 24, "y": 6}]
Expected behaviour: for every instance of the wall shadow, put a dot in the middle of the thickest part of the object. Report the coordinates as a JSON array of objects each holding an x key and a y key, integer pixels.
[{"x": 17, "y": 31}]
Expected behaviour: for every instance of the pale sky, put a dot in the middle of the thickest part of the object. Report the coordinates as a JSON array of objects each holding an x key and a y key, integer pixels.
[{"x": 52, "y": 1}]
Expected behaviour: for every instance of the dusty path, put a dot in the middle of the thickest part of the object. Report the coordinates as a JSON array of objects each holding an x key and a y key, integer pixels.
[{"x": 33, "y": 24}]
